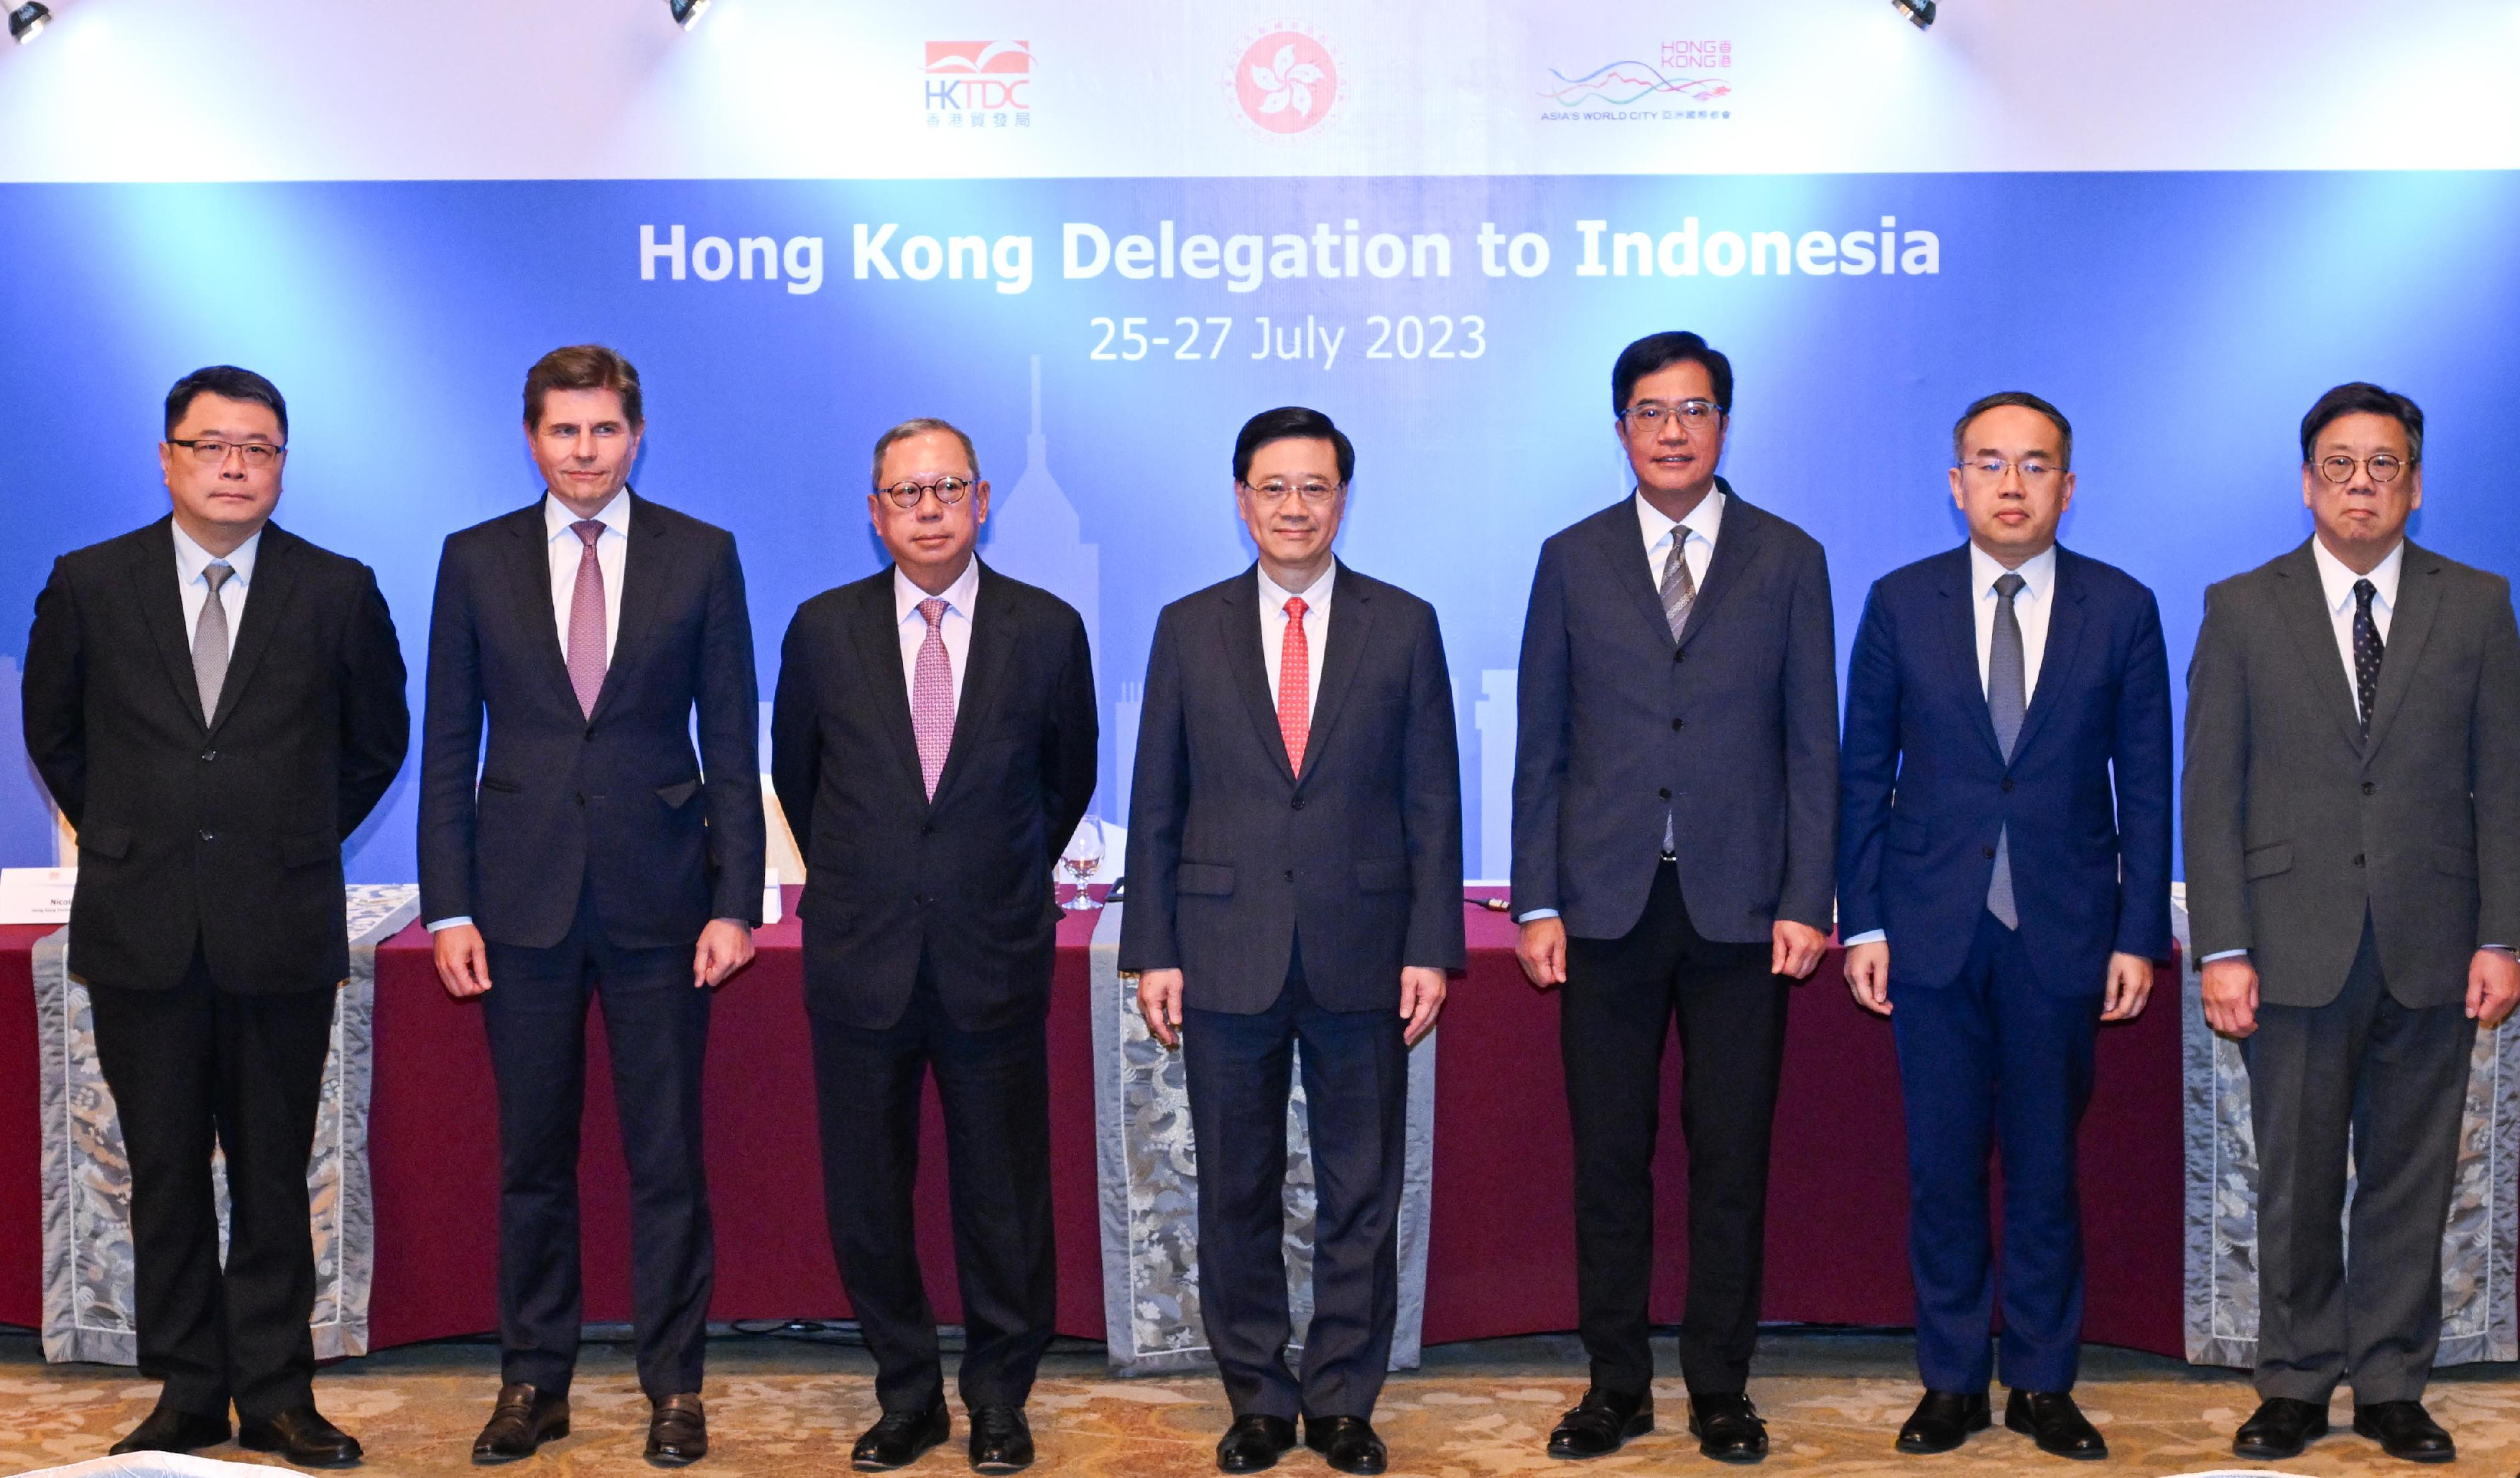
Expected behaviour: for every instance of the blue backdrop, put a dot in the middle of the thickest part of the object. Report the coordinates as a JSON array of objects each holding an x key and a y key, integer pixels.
[{"x": 2183, "y": 322}]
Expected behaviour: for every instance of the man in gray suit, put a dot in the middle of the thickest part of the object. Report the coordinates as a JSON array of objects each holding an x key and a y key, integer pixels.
[
  {"x": 1295, "y": 880},
  {"x": 2353, "y": 836}
]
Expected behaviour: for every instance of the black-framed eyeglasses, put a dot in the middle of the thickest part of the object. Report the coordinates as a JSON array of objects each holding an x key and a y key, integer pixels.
[
  {"x": 209, "y": 451},
  {"x": 1279, "y": 490},
  {"x": 2384, "y": 467},
  {"x": 1652, "y": 414},
  {"x": 948, "y": 490}
]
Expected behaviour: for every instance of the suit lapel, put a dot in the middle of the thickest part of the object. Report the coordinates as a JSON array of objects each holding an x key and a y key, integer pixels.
[
  {"x": 2419, "y": 602},
  {"x": 266, "y": 608},
  {"x": 2057, "y": 662},
  {"x": 1351, "y": 625},
  {"x": 643, "y": 582},
  {"x": 878, "y": 637},
  {"x": 2313, "y": 634},
  {"x": 1238, "y": 627},
  {"x": 1959, "y": 643},
  {"x": 529, "y": 581},
  {"x": 1632, "y": 567},
  {"x": 1737, "y": 543},
  {"x": 993, "y": 644},
  {"x": 154, "y": 592}
]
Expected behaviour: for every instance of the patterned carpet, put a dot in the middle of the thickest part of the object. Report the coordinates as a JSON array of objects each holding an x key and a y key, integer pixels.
[{"x": 786, "y": 1406}]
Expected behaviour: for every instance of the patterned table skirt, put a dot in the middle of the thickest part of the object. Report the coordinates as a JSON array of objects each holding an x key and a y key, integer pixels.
[{"x": 87, "y": 1180}]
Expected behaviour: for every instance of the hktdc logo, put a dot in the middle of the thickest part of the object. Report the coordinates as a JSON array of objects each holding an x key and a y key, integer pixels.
[
  {"x": 982, "y": 81},
  {"x": 1287, "y": 79}
]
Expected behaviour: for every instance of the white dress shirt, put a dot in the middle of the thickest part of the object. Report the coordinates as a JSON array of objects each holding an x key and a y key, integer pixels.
[
  {"x": 955, "y": 626},
  {"x": 2336, "y": 583},
  {"x": 1317, "y": 629},
  {"x": 611, "y": 547},
  {"x": 191, "y": 561},
  {"x": 2031, "y": 606}
]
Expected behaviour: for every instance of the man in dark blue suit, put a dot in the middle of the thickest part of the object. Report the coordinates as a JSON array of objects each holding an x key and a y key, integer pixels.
[
  {"x": 2005, "y": 824},
  {"x": 587, "y": 850}
]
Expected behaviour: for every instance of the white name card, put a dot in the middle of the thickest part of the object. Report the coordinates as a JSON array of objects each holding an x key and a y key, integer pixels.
[{"x": 36, "y": 895}]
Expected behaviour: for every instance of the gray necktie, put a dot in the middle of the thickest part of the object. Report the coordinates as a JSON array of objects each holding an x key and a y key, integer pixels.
[
  {"x": 2006, "y": 698},
  {"x": 210, "y": 642},
  {"x": 1679, "y": 593}
]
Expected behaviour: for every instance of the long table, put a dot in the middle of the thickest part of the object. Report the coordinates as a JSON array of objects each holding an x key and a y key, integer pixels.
[{"x": 1501, "y": 1259}]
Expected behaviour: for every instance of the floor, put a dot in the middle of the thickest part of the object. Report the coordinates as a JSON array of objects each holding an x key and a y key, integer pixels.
[{"x": 784, "y": 1405}]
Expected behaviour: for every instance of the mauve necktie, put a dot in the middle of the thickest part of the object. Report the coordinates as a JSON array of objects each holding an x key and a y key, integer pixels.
[
  {"x": 1296, "y": 684},
  {"x": 210, "y": 642},
  {"x": 932, "y": 696},
  {"x": 586, "y": 658},
  {"x": 2367, "y": 651},
  {"x": 2007, "y": 697}
]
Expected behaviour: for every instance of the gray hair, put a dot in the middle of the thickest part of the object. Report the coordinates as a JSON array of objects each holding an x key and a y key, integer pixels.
[{"x": 914, "y": 426}]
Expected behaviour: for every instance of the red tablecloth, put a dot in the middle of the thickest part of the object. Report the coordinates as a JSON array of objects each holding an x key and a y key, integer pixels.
[{"x": 1501, "y": 1254}]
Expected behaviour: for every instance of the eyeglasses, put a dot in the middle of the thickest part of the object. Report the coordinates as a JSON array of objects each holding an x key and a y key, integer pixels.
[
  {"x": 212, "y": 452},
  {"x": 948, "y": 490},
  {"x": 1277, "y": 490},
  {"x": 2033, "y": 470},
  {"x": 1653, "y": 415},
  {"x": 2383, "y": 467}
]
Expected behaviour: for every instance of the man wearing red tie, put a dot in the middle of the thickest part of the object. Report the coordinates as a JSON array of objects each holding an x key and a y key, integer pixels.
[{"x": 1295, "y": 880}]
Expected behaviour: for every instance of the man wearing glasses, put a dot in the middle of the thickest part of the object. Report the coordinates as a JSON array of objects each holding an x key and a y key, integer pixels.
[
  {"x": 1675, "y": 820},
  {"x": 2353, "y": 836},
  {"x": 216, "y": 704},
  {"x": 1296, "y": 883},
  {"x": 933, "y": 745},
  {"x": 589, "y": 852},
  {"x": 2004, "y": 887}
]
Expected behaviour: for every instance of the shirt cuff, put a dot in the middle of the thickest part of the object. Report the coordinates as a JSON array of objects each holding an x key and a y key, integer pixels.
[
  {"x": 1535, "y": 914},
  {"x": 2501, "y": 947},
  {"x": 436, "y": 924},
  {"x": 1868, "y": 936},
  {"x": 2223, "y": 954}
]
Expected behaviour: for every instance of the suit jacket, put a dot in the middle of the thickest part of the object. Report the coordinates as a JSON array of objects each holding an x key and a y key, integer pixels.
[
  {"x": 965, "y": 880},
  {"x": 2296, "y": 829},
  {"x": 1924, "y": 788},
  {"x": 226, "y": 833},
  {"x": 617, "y": 801},
  {"x": 1733, "y": 730},
  {"x": 1231, "y": 852}
]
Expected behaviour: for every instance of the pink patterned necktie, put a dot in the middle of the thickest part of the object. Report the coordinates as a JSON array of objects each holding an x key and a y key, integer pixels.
[
  {"x": 586, "y": 658},
  {"x": 1296, "y": 684},
  {"x": 932, "y": 696}
]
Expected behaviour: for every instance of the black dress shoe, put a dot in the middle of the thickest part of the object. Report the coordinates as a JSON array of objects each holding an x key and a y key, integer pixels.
[
  {"x": 524, "y": 1419},
  {"x": 898, "y": 1439},
  {"x": 1253, "y": 1443},
  {"x": 1602, "y": 1423},
  {"x": 1348, "y": 1442},
  {"x": 1943, "y": 1419},
  {"x": 1727, "y": 1428},
  {"x": 1001, "y": 1439},
  {"x": 302, "y": 1437},
  {"x": 677, "y": 1431},
  {"x": 2282, "y": 1428},
  {"x": 2403, "y": 1429},
  {"x": 167, "y": 1430},
  {"x": 2050, "y": 1419}
]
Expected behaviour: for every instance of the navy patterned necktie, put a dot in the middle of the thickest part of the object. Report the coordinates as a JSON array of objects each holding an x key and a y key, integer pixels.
[{"x": 2367, "y": 651}]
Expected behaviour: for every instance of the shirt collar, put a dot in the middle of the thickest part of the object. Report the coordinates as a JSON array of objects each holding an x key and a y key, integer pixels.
[
  {"x": 958, "y": 596},
  {"x": 2336, "y": 582},
  {"x": 1274, "y": 597},
  {"x": 2037, "y": 573},
  {"x": 1703, "y": 521},
  {"x": 191, "y": 559},
  {"x": 613, "y": 516}
]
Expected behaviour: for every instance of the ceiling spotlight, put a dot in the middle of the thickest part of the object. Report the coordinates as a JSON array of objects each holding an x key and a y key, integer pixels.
[
  {"x": 686, "y": 13},
  {"x": 1920, "y": 13},
  {"x": 28, "y": 22}
]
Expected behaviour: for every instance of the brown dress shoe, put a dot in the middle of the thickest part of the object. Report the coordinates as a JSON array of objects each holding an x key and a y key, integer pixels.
[
  {"x": 677, "y": 1431},
  {"x": 525, "y": 1419}
]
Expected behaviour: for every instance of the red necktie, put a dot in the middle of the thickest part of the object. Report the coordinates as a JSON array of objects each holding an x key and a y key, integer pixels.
[{"x": 1294, "y": 686}]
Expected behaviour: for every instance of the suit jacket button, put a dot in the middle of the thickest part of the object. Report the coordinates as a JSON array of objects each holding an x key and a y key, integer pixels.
[
  {"x": 1987, "y": 852},
  {"x": 208, "y": 755},
  {"x": 2358, "y": 859},
  {"x": 590, "y": 731},
  {"x": 1678, "y": 655},
  {"x": 1299, "y": 803},
  {"x": 1291, "y": 875},
  {"x": 2008, "y": 785},
  {"x": 581, "y": 797},
  {"x": 1664, "y": 793},
  {"x": 927, "y": 829},
  {"x": 1675, "y": 723},
  {"x": 214, "y": 836},
  {"x": 2367, "y": 787}
]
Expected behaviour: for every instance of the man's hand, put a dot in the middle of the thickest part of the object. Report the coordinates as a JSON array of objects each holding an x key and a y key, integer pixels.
[
  {"x": 1867, "y": 974},
  {"x": 725, "y": 947},
  {"x": 2493, "y": 987},
  {"x": 463, "y": 961},
  {"x": 2129, "y": 987},
  {"x": 1159, "y": 994},
  {"x": 1541, "y": 949},
  {"x": 2231, "y": 996},
  {"x": 1798, "y": 948},
  {"x": 1421, "y": 1000}
]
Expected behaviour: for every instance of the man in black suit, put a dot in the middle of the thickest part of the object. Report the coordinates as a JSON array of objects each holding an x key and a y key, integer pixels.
[
  {"x": 932, "y": 743},
  {"x": 1675, "y": 809},
  {"x": 1295, "y": 880},
  {"x": 216, "y": 704},
  {"x": 599, "y": 856},
  {"x": 2353, "y": 836}
]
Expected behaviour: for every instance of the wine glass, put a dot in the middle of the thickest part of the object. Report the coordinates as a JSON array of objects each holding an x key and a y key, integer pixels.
[{"x": 1081, "y": 859}]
